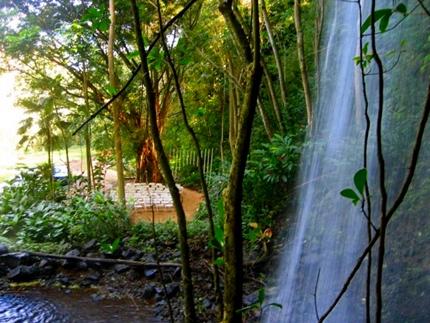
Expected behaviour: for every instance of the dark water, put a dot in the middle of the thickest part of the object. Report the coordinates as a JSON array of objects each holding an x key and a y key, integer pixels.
[{"x": 35, "y": 306}]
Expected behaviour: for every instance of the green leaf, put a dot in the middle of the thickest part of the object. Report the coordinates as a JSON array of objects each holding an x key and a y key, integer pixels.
[
  {"x": 365, "y": 49},
  {"x": 360, "y": 179},
  {"x": 378, "y": 15},
  {"x": 219, "y": 235},
  {"x": 349, "y": 193},
  {"x": 261, "y": 295},
  {"x": 402, "y": 9},
  {"x": 219, "y": 261},
  {"x": 111, "y": 90},
  {"x": 385, "y": 20},
  {"x": 275, "y": 305}
]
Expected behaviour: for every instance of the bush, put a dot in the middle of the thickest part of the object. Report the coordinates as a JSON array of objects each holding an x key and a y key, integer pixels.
[
  {"x": 97, "y": 217},
  {"x": 29, "y": 215}
]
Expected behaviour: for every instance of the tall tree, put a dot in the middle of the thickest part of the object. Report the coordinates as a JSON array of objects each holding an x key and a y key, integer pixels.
[
  {"x": 233, "y": 193},
  {"x": 189, "y": 310},
  {"x": 116, "y": 106},
  {"x": 302, "y": 60}
]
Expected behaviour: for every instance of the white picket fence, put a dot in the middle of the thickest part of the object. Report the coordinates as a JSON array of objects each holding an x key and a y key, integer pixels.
[{"x": 182, "y": 158}]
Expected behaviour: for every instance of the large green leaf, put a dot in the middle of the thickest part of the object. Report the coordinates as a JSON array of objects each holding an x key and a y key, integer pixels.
[
  {"x": 349, "y": 193},
  {"x": 379, "y": 14},
  {"x": 360, "y": 179}
]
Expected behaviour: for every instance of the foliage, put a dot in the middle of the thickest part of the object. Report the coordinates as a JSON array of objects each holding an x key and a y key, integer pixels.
[
  {"x": 97, "y": 217},
  {"x": 259, "y": 303},
  {"x": 270, "y": 169},
  {"x": 189, "y": 176},
  {"x": 360, "y": 179},
  {"x": 29, "y": 215}
]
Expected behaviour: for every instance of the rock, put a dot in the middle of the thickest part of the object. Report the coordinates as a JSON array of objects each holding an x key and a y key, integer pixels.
[
  {"x": 150, "y": 273},
  {"x": 95, "y": 255},
  {"x": 133, "y": 274},
  {"x": 3, "y": 249},
  {"x": 97, "y": 297},
  {"x": 137, "y": 254},
  {"x": 14, "y": 259},
  {"x": 45, "y": 269},
  {"x": 177, "y": 273},
  {"x": 44, "y": 263},
  {"x": 22, "y": 273},
  {"x": 90, "y": 246},
  {"x": 121, "y": 268},
  {"x": 160, "y": 306},
  {"x": 63, "y": 280},
  {"x": 148, "y": 291},
  {"x": 172, "y": 289},
  {"x": 71, "y": 263},
  {"x": 73, "y": 253},
  {"x": 128, "y": 253},
  {"x": 82, "y": 265},
  {"x": 93, "y": 278}
]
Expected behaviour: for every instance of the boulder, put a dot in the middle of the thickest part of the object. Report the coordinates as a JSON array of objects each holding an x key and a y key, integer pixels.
[
  {"x": 172, "y": 289},
  {"x": 90, "y": 246},
  {"x": 150, "y": 273},
  {"x": 23, "y": 273},
  {"x": 73, "y": 253},
  {"x": 14, "y": 259},
  {"x": 121, "y": 268},
  {"x": 148, "y": 291}
]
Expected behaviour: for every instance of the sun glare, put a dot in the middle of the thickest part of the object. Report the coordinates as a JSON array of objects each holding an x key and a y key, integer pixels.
[{"x": 9, "y": 121}]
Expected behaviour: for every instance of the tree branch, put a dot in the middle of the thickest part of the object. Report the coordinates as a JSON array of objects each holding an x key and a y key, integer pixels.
[{"x": 137, "y": 69}]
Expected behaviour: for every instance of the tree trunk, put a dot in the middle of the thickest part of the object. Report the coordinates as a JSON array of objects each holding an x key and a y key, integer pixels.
[
  {"x": 200, "y": 162},
  {"x": 265, "y": 119},
  {"x": 275, "y": 54},
  {"x": 87, "y": 134},
  {"x": 233, "y": 253},
  {"x": 232, "y": 110},
  {"x": 272, "y": 95},
  {"x": 189, "y": 310},
  {"x": 116, "y": 106},
  {"x": 147, "y": 169},
  {"x": 302, "y": 61}
]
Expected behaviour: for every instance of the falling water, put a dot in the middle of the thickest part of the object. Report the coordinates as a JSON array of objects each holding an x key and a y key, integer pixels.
[{"x": 329, "y": 232}]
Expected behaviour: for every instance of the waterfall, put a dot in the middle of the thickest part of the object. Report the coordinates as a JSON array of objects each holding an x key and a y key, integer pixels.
[{"x": 329, "y": 233}]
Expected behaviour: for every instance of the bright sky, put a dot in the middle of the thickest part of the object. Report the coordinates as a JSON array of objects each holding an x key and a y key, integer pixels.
[{"x": 9, "y": 120}]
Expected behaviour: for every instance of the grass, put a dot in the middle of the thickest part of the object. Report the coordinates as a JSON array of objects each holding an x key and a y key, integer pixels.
[{"x": 33, "y": 158}]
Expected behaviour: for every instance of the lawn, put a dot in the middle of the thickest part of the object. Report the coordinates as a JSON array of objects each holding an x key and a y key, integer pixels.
[{"x": 8, "y": 169}]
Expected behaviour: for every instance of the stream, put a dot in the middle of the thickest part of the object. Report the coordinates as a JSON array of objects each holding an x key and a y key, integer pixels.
[{"x": 53, "y": 305}]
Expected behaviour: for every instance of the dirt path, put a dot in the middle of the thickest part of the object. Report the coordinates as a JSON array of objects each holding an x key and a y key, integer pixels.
[{"x": 190, "y": 199}]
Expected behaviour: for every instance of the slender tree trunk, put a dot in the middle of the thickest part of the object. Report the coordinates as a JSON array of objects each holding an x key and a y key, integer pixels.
[
  {"x": 302, "y": 61},
  {"x": 282, "y": 84},
  {"x": 233, "y": 253},
  {"x": 272, "y": 95},
  {"x": 265, "y": 119},
  {"x": 221, "y": 142},
  {"x": 189, "y": 310},
  {"x": 216, "y": 278},
  {"x": 116, "y": 106},
  {"x": 87, "y": 134},
  {"x": 232, "y": 110}
]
